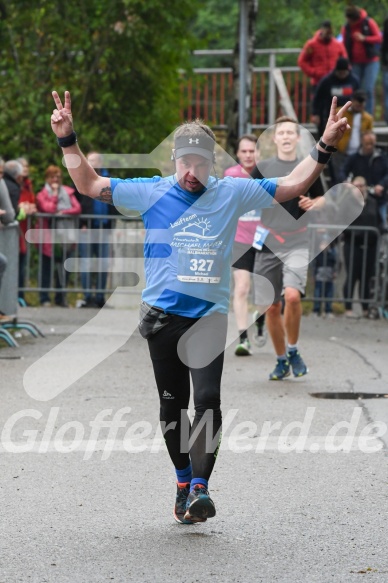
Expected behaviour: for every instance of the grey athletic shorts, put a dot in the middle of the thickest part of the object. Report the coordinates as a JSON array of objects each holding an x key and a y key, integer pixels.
[{"x": 286, "y": 270}]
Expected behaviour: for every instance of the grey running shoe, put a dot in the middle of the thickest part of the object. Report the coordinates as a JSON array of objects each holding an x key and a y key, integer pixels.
[
  {"x": 260, "y": 336},
  {"x": 244, "y": 348}
]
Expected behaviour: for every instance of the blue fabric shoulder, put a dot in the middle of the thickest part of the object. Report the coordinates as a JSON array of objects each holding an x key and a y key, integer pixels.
[{"x": 115, "y": 181}]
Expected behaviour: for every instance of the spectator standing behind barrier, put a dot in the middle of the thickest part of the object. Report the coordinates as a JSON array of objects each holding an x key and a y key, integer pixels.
[
  {"x": 7, "y": 215},
  {"x": 325, "y": 271},
  {"x": 372, "y": 164},
  {"x": 359, "y": 121},
  {"x": 7, "y": 210},
  {"x": 13, "y": 177},
  {"x": 27, "y": 199},
  {"x": 243, "y": 253},
  {"x": 3, "y": 265},
  {"x": 320, "y": 54},
  {"x": 56, "y": 199},
  {"x": 361, "y": 37},
  {"x": 384, "y": 66},
  {"x": 360, "y": 249},
  {"x": 97, "y": 248},
  {"x": 340, "y": 82},
  {"x": 291, "y": 243}
]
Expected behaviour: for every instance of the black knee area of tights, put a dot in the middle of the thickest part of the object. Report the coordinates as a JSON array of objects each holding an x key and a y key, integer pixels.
[{"x": 214, "y": 406}]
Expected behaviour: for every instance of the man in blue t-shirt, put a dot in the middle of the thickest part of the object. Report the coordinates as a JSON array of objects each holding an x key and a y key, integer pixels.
[{"x": 190, "y": 220}]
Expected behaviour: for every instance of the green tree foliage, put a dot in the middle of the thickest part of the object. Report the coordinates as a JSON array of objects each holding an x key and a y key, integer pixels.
[{"x": 119, "y": 58}]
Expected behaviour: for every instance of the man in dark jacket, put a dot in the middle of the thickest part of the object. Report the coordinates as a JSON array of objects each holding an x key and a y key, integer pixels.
[
  {"x": 371, "y": 163},
  {"x": 340, "y": 82},
  {"x": 360, "y": 249}
]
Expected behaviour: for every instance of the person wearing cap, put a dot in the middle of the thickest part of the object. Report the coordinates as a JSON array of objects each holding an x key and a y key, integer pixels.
[
  {"x": 190, "y": 219},
  {"x": 320, "y": 54},
  {"x": 360, "y": 122},
  {"x": 340, "y": 82},
  {"x": 362, "y": 39}
]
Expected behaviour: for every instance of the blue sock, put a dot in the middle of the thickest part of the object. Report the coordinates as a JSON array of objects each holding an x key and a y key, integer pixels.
[
  {"x": 183, "y": 476},
  {"x": 200, "y": 481}
]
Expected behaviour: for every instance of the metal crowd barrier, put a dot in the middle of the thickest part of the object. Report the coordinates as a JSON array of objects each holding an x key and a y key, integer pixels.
[
  {"x": 361, "y": 245},
  {"x": 55, "y": 259},
  {"x": 9, "y": 246},
  {"x": 125, "y": 239}
]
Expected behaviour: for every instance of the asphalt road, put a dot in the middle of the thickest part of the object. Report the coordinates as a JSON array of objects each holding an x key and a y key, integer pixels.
[{"x": 300, "y": 484}]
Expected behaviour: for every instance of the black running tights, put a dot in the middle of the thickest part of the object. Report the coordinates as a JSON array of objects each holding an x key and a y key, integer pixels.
[{"x": 190, "y": 347}]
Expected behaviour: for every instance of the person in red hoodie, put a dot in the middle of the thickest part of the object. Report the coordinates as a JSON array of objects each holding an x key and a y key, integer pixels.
[
  {"x": 362, "y": 38},
  {"x": 320, "y": 54}
]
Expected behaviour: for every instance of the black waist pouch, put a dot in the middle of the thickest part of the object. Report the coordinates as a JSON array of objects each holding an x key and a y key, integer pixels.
[{"x": 151, "y": 320}]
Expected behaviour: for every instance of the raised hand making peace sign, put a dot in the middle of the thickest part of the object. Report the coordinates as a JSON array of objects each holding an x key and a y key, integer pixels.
[
  {"x": 85, "y": 178},
  {"x": 61, "y": 118},
  {"x": 336, "y": 125}
]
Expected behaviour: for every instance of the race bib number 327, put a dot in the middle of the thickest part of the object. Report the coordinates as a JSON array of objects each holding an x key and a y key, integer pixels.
[{"x": 199, "y": 266}]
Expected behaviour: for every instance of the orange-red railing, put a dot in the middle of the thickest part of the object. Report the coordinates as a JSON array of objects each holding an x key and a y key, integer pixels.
[{"x": 207, "y": 91}]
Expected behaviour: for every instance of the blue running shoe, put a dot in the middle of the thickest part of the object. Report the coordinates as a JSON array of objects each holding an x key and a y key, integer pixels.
[
  {"x": 297, "y": 364},
  {"x": 281, "y": 370},
  {"x": 182, "y": 492},
  {"x": 199, "y": 505}
]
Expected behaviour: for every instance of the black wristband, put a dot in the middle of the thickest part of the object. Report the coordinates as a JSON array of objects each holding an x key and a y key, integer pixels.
[
  {"x": 330, "y": 149},
  {"x": 67, "y": 141},
  {"x": 320, "y": 157}
]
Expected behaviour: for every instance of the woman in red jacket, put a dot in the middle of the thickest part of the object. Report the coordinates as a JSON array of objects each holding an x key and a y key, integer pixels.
[{"x": 55, "y": 199}]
